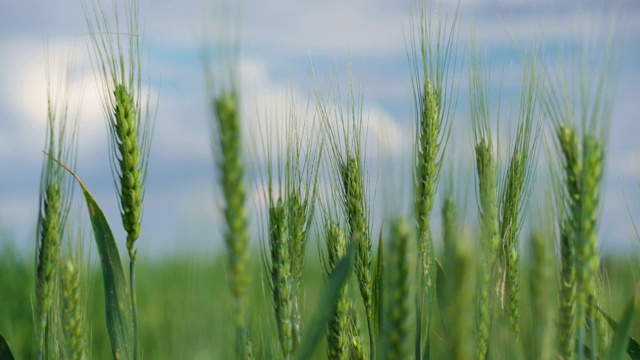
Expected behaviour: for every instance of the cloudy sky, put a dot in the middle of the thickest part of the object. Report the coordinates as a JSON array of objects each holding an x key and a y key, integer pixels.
[{"x": 282, "y": 41}]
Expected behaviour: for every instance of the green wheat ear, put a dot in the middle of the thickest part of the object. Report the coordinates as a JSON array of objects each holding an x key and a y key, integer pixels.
[
  {"x": 339, "y": 323},
  {"x": 130, "y": 171},
  {"x": 232, "y": 178},
  {"x": 347, "y": 162},
  {"x": 343, "y": 331},
  {"x": 226, "y": 144},
  {"x": 580, "y": 114},
  {"x": 55, "y": 199},
  {"x": 488, "y": 198},
  {"x": 293, "y": 153},
  {"x": 353, "y": 196},
  {"x": 433, "y": 62},
  {"x": 301, "y": 170},
  {"x": 74, "y": 290},
  {"x": 517, "y": 188},
  {"x": 281, "y": 280},
  {"x": 117, "y": 57}
]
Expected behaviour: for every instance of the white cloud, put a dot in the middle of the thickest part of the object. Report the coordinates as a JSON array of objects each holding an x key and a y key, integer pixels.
[
  {"x": 267, "y": 105},
  {"x": 25, "y": 92},
  {"x": 327, "y": 26}
]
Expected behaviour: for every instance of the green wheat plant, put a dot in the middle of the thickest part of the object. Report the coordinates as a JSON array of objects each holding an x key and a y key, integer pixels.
[
  {"x": 580, "y": 113},
  {"x": 281, "y": 281},
  {"x": 433, "y": 62},
  {"x": 347, "y": 163},
  {"x": 226, "y": 142},
  {"x": 292, "y": 164},
  {"x": 517, "y": 187},
  {"x": 460, "y": 311},
  {"x": 302, "y": 170},
  {"x": 396, "y": 299},
  {"x": 450, "y": 231},
  {"x": 488, "y": 201},
  {"x": 117, "y": 57},
  {"x": 568, "y": 141},
  {"x": 74, "y": 296},
  {"x": 543, "y": 310},
  {"x": 331, "y": 277},
  {"x": 339, "y": 326},
  {"x": 343, "y": 329},
  {"x": 502, "y": 208},
  {"x": 55, "y": 200}
]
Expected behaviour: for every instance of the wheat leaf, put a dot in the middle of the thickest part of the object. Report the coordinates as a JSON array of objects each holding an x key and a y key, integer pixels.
[
  {"x": 622, "y": 340},
  {"x": 5, "y": 350},
  {"x": 116, "y": 293},
  {"x": 327, "y": 303}
]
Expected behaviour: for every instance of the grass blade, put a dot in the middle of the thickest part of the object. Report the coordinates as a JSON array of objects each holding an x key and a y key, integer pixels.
[
  {"x": 116, "y": 293},
  {"x": 622, "y": 341},
  {"x": 5, "y": 350},
  {"x": 317, "y": 326}
]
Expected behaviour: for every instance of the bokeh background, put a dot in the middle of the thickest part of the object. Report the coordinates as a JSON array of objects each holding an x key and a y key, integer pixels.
[{"x": 284, "y": 43}]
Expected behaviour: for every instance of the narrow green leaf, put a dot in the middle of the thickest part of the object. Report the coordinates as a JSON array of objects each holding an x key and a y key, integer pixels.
[
  {"x": 622, "y": 342},
  {"x": 116, "y": 291},
  {"x": 440, "y": 297},
  {"x": 440, "y": 290},
  {"x": 327, "y": 303},
  {"x": 5, "y": 350},
  {"x": 634, "y": 347}
]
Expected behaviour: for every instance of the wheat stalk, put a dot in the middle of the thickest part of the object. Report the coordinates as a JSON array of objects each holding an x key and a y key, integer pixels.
[
  {"x": 396, "y": 295},
  {"x": 543, "y": 327},
  {"x": 461, "y": 264}
]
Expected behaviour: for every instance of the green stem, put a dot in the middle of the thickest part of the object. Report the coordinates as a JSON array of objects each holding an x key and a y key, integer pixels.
[
  {"x": 372, "y": 354},
  {"x": 134, "y": 309}
]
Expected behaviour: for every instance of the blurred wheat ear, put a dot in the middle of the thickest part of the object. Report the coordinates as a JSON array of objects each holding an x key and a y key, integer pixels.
[
  {"x": 222, "y": 80},
  {"x": 517, "y": 187},
  {"x": 488, "y": 199},
  {"x": 74, "y": 295},
  {"x": 55, "y": 199},
  {"x": 578, "y": 103},
  {"x": 339, "y": 323},
  {"x": 396, "y": 293}
]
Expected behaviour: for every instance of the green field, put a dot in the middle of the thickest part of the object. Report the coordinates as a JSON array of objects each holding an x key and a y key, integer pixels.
[
  {"x": 521, "y": 278},
  {"x": 185, "y": 306}
]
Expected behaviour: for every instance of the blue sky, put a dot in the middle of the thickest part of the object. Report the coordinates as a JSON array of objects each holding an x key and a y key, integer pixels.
[{"x": 281, "y": 39}]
